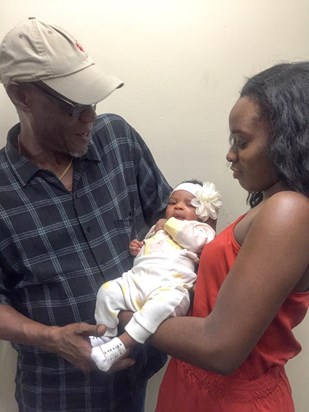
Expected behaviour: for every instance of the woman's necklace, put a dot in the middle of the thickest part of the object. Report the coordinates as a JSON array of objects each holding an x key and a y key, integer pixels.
[{"x": 61, "y": 176}]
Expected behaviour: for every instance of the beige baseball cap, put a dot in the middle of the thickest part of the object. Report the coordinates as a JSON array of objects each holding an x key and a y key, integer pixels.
[{"x": 36, "y": 51}]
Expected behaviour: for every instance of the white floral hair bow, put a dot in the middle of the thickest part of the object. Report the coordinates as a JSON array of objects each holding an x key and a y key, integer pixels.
[{"x": 207, "y": 201}]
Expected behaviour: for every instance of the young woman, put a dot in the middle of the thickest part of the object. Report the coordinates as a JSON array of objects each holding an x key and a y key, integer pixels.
[{"x": 253, "y": 281}]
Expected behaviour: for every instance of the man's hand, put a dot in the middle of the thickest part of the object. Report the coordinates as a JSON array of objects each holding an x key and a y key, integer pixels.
[{"x": 72, "y": 343}]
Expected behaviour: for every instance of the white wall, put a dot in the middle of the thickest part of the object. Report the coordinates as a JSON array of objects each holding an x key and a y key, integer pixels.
[{"x": 183, "y": 63}]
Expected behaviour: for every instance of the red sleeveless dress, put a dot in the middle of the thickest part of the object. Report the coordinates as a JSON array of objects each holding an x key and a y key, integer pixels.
[{"x": 260, "y": 384}]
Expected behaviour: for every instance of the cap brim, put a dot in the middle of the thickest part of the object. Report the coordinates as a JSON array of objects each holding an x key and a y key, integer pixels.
[{"x": 87, "y": 86}]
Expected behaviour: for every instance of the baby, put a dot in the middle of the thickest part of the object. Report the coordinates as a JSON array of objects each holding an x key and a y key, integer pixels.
[{"x": 158, "y": 285}]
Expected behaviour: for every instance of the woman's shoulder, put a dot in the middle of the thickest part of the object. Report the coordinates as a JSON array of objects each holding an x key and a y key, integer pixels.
[
  {"x": 288, "y": 197},
  {"x": 285, "y": 219},
  {"x": 283, "y": 210},
  {"x": 288, "y": 206}
]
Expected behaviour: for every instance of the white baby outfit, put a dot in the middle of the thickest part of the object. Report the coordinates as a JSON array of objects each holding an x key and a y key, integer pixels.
[{"x": 157, "y": 287}]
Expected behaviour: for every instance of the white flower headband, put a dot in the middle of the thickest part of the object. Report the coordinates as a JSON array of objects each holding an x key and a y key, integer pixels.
[{"x": 207, "y": 199}]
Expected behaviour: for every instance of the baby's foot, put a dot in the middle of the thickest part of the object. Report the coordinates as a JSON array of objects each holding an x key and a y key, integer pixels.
[
  {"x": 98, "y": 341},
  {"x": 106, "y": 355}
]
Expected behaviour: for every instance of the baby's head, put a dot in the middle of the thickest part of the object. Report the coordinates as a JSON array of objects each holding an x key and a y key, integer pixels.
[{"x": 194, "y": 200}]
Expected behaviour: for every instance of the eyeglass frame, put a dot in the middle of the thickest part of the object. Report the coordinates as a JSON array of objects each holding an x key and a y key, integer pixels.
[{"x": 73, "y": 109}]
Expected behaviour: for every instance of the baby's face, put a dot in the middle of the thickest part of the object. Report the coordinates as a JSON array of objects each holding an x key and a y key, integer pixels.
[{"x": 180, "y": 207}]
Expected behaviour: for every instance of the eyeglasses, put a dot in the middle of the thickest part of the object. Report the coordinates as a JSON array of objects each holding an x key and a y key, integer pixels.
[{"x": 73, "y": 109}]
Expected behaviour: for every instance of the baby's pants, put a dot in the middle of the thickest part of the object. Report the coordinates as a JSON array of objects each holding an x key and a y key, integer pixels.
[{"x": 151, "y": 301}]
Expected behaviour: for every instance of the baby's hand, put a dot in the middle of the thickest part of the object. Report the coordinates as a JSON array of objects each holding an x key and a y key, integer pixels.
[
  {"x": 160, "y": 225},
  {"x": 135, "y": 246}
]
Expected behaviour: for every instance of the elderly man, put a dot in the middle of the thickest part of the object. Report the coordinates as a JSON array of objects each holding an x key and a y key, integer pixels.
[{"x": 75, "y": 189}]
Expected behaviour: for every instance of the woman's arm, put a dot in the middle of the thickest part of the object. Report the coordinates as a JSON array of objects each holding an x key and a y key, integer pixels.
[{"x": 272, "y": 261}]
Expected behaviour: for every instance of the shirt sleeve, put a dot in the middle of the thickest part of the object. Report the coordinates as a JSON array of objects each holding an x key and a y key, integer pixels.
[
  {"x": 190, "y": 234},
  {"x": 4, "y": 290}
]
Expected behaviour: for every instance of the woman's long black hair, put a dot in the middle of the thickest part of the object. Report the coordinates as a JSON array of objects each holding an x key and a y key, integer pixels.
[{"x": 282, "y": 93}]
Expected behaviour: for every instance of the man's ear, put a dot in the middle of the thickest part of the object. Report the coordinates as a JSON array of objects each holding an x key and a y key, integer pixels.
[{"x": 18, "y": 94}]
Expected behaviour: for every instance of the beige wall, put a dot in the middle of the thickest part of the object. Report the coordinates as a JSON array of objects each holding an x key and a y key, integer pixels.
[{"x": 183, "y": 63}]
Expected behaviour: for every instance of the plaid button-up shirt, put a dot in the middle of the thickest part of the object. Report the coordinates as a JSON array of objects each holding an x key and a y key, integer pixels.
[{"x": 58, "y": 247}]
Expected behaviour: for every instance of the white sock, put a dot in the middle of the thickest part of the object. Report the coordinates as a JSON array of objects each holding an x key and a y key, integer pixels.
[
  {"x": 106, "y": 355},
  {"x": 98, "y": 341}
]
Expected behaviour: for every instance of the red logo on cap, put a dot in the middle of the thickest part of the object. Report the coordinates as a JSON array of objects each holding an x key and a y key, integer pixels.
[{"x": 78, "y": 45}]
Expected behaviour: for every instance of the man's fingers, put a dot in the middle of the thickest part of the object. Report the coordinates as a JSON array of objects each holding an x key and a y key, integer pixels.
[
  {"x": 99, "y": 330},
  {"x": 90, "y": 330}
]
